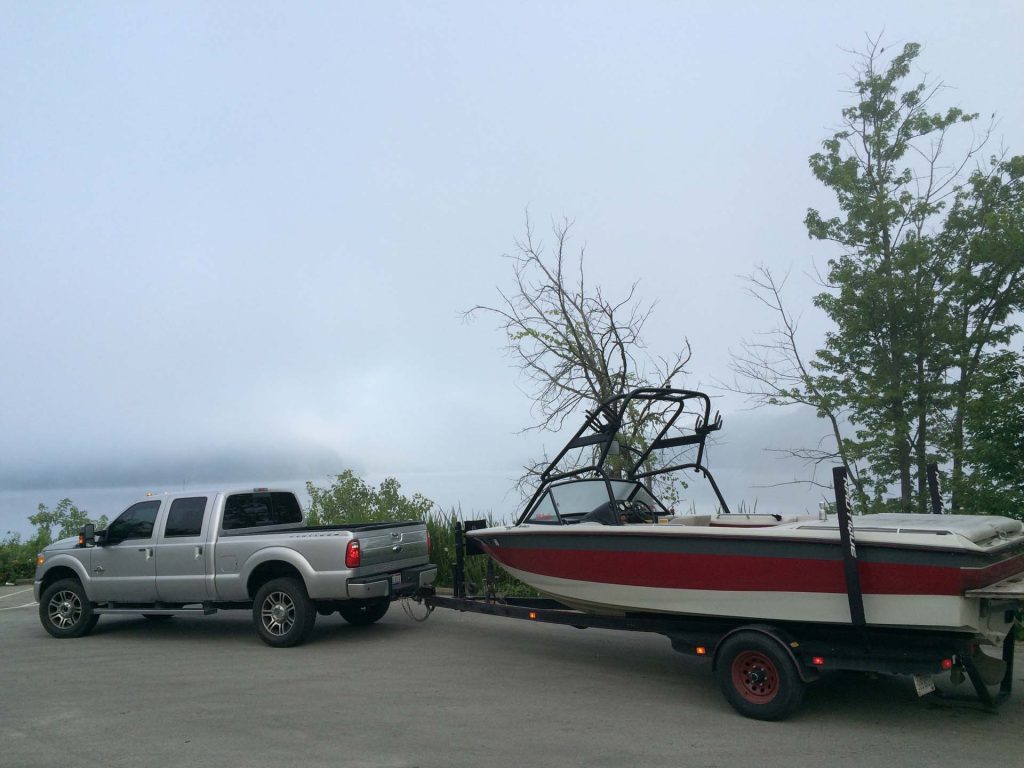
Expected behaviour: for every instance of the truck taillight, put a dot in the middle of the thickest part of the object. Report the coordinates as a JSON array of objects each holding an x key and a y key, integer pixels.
[{"x": 353, "y": 555}]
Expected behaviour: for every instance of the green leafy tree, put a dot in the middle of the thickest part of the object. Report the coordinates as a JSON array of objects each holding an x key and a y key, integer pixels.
[
  {"x": 18, "y": 555},
  {"x": 910, "y": 288},
  {"x": 983, "y": 244},
  {"x": 994, "y": 444},
  {"x": 922, "y": 296},
  {"x": 66, "y": 518},
  {"x": 349, "y": 499}
]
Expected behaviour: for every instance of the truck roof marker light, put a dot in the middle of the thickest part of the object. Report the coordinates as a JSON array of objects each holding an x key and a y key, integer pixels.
[{"x": 353, "y": 554}]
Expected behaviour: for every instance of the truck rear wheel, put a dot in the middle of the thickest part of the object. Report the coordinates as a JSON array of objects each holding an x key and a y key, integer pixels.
[
  {"x": 758, "y": 677},
  {"x": 65, "y": 611},
  {"x": 283, "y": 613},
  {"x": 363, "y": 612}
]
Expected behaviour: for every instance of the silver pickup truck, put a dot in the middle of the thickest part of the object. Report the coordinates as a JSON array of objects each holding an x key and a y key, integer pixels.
[{"x": 199, "y": 552}]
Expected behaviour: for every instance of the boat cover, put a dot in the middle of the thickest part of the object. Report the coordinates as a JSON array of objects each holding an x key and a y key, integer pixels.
[{"x": 975, "y": 528}]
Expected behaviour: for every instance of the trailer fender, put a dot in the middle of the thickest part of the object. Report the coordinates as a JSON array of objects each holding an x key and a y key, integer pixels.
[{"x": 782, "y": 638}]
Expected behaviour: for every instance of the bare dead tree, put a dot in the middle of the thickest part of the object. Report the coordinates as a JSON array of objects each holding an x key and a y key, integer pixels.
[
  {"x": 770, "y": 370},
  {"x": 575, "y": 346}
]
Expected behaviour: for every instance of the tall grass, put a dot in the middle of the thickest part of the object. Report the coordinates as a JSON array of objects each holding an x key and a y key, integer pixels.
[{"x": 441, "y": 526}]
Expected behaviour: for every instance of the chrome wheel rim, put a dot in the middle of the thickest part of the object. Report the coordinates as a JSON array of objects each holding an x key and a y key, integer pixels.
[
  {"x": 278, "y": 613},
  {"x": 64, "y": 609}
]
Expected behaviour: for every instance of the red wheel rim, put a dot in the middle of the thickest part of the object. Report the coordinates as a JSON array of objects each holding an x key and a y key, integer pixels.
[{"x": 755, "y": 677}]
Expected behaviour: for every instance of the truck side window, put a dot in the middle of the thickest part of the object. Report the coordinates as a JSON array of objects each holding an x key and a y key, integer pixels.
[
  {"x": 136, "y": 522},
  {"x": 253, "y": 510},
  {"x": 286, "y": 508},
  {"x": 185, "y": 517}
]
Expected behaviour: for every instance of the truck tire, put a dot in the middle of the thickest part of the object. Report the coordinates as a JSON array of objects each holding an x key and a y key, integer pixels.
[
  {"x": 65, "y": 611},
  {"x": 361, "y": 613},
  {"x": 283, "y": 613},
  {"x": 758, "y": 677}
]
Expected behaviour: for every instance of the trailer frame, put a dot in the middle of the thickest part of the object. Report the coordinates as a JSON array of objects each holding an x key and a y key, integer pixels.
[{"x": 786, "y": 655}]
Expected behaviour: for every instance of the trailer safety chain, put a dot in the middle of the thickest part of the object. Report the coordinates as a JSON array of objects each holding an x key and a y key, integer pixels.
[{"x": 407, "y": 607}]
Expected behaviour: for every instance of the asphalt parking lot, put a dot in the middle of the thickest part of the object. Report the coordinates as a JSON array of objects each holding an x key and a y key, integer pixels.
[{"x": 457, "y": 690}]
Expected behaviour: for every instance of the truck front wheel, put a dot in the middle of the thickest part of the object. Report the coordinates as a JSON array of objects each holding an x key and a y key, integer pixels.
[
  {"x": 283, "y": 613},
  {"x": 65, "y": 611},
  {"x": 363, "y": 612}
]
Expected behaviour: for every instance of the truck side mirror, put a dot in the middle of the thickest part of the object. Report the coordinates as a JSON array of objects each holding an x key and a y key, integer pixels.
[{"x": 87, "y": 535}]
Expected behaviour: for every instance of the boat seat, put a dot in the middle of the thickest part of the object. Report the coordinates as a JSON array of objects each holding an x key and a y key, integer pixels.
[
  {"x": 690, "y": 520},
  {"x": 605, "y": 514}
]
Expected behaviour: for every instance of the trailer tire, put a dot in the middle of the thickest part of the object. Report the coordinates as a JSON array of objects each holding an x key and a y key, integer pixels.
[
  {"x": 361, "y": 613},
  {"x": 758, "y": 677},
  {"x": 65, "y": 611},
  {"x": 283, "y": 613}
]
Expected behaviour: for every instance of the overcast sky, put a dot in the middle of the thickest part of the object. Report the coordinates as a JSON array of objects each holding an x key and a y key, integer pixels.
[{"x": 236, "y": 239}]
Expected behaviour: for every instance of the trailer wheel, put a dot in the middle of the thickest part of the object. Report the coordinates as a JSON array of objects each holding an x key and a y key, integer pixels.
[
  {"x": 283, "y": 613},
  {"x": 362, "y": 613},
  {"x": 758, "y": 677},
  {"x": 65, "y": 611}
]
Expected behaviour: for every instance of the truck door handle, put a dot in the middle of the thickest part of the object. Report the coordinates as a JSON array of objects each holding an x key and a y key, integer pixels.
[
  {"x": 148, "y": 551},
  {"x": 198, "y": 552}
]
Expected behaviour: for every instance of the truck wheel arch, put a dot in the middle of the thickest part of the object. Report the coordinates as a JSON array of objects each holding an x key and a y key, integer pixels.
[
  {"x": 57, "y": 573},
  {"x": 268, "y": 570}
]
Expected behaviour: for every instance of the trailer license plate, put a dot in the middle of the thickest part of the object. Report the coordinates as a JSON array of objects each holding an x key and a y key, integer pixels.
[{"x": 924, "y": 684}]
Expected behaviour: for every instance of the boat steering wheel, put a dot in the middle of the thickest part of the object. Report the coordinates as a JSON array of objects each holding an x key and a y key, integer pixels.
[{"x": 636, "y": 511}]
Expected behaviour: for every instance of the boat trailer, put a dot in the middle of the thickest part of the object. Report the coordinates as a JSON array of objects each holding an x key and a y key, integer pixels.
[{"x": 763, "y": 667}]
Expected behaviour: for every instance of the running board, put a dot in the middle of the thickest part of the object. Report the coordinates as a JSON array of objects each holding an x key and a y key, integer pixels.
[{"x": 204, "y": 610}]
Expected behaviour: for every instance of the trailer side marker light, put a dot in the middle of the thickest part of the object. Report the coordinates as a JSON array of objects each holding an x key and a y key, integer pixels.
[
  {"x": 533, "y": 614},
  {"x": 700, "y": 650},
  {"x": 818, "y": 661},
  {"x": 947, "y": 664}
]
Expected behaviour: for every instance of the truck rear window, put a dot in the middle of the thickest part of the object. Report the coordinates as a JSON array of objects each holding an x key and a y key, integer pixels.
[{"x": 254, "y": 510}]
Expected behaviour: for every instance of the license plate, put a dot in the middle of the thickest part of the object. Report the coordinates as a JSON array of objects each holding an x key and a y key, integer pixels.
[
  {"x": 924, "y": 684},
  {"x": 396, "y": 580}
]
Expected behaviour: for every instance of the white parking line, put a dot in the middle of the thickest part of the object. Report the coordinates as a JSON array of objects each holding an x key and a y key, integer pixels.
[
  {"x": 19, "y": 592},
  {"x": 16, "y": 607}
]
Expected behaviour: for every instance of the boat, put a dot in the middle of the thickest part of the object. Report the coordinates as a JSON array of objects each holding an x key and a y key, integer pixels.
[{"x": 596, "y": 538}]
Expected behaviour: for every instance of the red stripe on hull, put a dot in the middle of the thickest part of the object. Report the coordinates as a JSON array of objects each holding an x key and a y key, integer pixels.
[{"x": 746, "y": 573}]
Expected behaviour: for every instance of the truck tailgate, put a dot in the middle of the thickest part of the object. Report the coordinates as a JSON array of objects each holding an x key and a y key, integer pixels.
[{"x": 392, "y": 547}]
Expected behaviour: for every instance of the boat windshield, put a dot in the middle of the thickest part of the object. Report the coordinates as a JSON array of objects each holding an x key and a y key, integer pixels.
[{"x": 571, "y": 501}]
